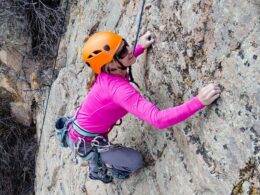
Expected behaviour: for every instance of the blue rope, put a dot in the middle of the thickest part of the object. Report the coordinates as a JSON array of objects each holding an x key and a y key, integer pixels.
[
  {"x": 139, "y": 24},
  {"x": 136, "y": 39}
]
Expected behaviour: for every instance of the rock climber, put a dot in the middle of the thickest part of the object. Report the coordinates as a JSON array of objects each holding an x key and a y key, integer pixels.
[{"x": 111, "y": 96}]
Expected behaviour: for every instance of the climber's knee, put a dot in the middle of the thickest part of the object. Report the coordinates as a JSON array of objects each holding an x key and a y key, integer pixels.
[{"x": 124, "y": 159}]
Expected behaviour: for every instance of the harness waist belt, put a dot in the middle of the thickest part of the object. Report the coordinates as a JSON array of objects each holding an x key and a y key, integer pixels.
[{"x": 82, "y": 131}]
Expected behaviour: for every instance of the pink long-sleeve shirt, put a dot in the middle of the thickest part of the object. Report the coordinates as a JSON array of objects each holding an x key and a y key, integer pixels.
[{"x": 112, "y": 97}]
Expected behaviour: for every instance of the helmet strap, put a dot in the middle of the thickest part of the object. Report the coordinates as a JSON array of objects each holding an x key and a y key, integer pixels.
[{"x": 122, "y": 66}]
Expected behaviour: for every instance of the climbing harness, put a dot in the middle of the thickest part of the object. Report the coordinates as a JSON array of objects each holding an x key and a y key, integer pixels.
[
  {"x": 97, "y": 145},
  {"x": 89, "y": 150}
]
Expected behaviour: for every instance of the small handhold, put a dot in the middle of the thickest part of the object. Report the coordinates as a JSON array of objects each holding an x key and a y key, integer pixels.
[
  {"x": 249, "y": 107},
  {"x": 242, "y": 129},
  {"x": 190, "y": 53},
  {"x": 83, "y": 189},
  {"x": 162, "y": 27},
  {"x": 225, "y": 146},
  {"x": 247, "y": 64},
  {"x": 241, "y": 54}
]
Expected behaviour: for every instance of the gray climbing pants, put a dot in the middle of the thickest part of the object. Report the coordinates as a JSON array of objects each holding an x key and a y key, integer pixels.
[{"x": 120, "y": 158}]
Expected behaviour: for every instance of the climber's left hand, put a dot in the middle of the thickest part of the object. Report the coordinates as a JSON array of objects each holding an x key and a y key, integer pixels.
[{"x": 147, "y": 39}]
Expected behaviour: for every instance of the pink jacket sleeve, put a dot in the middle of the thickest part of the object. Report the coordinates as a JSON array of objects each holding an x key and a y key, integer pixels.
[
  {"x": 138, "y": 50},
  {"x": 131, "y": 100}
]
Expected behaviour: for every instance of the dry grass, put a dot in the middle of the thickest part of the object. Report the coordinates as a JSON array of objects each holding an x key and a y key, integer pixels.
[
  {"x": 40, "y": 19},
  {"x": 17, "y": 154}
]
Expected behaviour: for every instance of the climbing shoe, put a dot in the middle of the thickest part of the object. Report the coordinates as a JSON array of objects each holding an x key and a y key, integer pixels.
[{"x": 102, "y": 177}]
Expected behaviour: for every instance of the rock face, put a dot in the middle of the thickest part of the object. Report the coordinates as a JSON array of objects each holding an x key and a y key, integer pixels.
[
  {"x": 13, "y": 82},
  {"x": 216, "y": 151},
  {"x": 14, "y": 43}
]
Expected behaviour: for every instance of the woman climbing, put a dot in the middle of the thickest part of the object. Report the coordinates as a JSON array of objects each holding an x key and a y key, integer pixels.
[{"x": 110, "y": 97}]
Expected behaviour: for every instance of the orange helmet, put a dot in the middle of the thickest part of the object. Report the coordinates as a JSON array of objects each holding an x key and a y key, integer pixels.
[{"x": 100, "y": 49}]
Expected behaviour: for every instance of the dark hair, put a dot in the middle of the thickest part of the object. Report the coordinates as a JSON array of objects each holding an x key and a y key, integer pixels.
[{"x": 92, "y": 80}]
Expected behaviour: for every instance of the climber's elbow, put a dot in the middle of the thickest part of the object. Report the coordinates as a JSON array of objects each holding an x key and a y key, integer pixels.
[
  {"x": 158, "y": 121},
  {"x": 159, "y": 125}
]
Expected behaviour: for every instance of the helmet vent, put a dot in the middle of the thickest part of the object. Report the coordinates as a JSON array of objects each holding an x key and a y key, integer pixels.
[
  {"x": 90, "y": 56},
  {"x": 97, "y": 52},
  {"x": 87, "y": 64},
  {"x": 106, "y": 47}
]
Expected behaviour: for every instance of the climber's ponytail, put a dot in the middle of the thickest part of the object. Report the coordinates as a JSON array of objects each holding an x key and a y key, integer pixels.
[{"x": 92, "y": 80}]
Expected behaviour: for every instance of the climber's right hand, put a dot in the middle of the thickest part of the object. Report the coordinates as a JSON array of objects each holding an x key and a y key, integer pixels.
[{"x": 209, "y": 94}]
